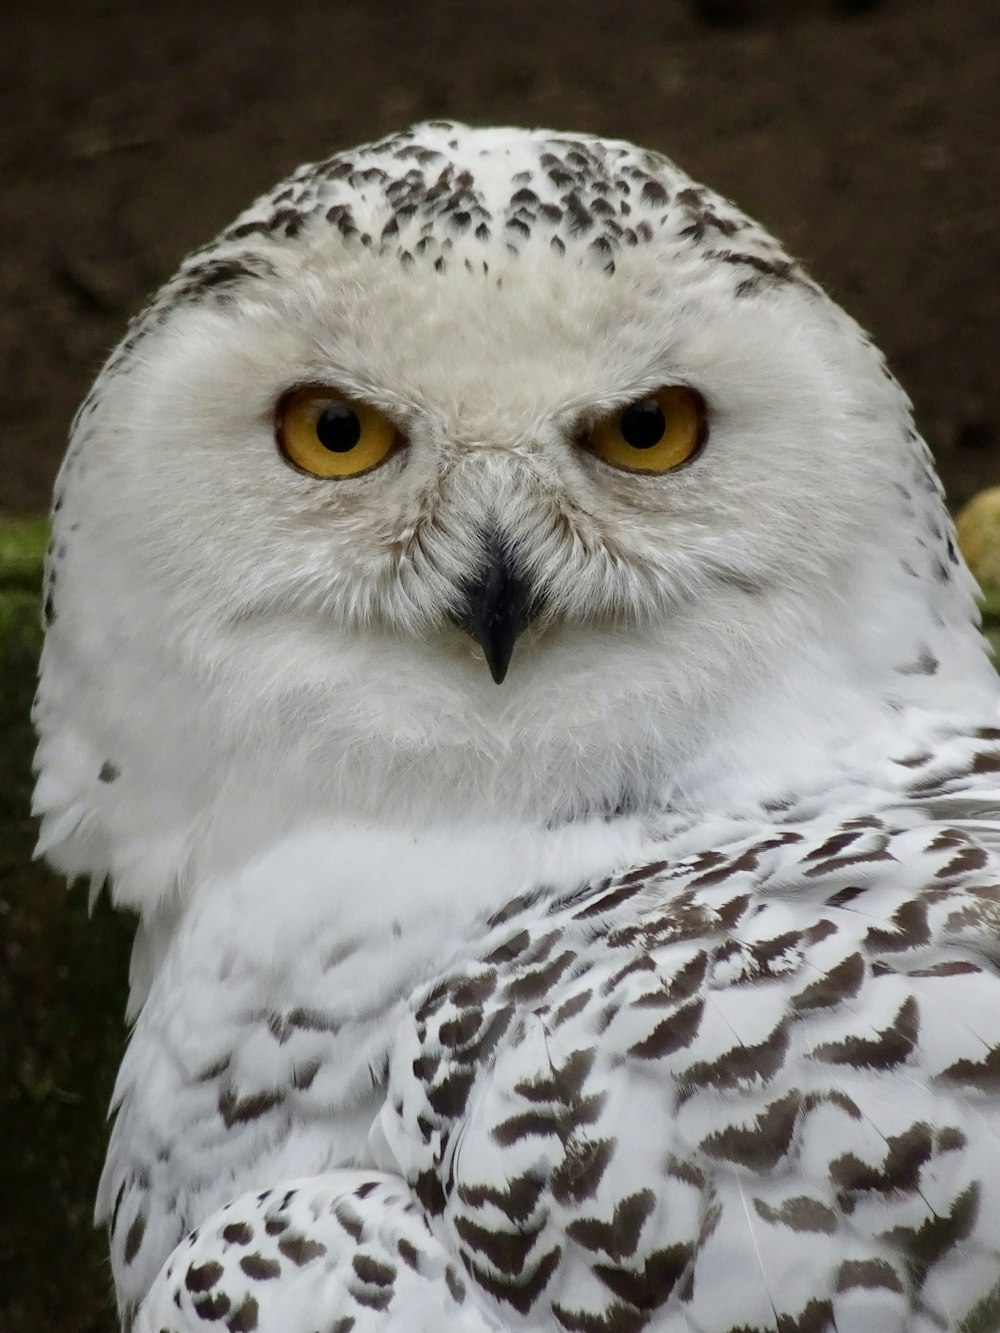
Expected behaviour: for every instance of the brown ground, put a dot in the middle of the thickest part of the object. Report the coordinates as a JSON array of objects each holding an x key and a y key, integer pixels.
[{"x": 865, "y": 135}]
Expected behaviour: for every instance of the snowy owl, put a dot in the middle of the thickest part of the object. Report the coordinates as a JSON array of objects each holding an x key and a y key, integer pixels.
[{"x": 505, "y": 642}]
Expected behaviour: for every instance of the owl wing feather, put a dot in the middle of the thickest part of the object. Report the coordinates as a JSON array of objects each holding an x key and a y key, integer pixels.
[
  {"x": 772, "y": 1060},
  {"x": 751, "y": 1089}
]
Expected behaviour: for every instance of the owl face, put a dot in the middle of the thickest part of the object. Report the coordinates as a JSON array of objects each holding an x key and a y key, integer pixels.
[
  {"x": 490, "y": 397},
  {"x": 401, "y": 500}
]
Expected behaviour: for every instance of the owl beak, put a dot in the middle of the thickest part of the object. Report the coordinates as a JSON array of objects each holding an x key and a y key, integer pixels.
[{"x": 497, "y": 606}]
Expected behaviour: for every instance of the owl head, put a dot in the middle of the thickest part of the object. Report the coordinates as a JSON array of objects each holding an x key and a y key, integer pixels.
[{"x": 480, "y": 475}]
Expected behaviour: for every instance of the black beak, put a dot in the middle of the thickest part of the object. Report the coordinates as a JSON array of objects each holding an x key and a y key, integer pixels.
[{"x": 496, "y": 607}]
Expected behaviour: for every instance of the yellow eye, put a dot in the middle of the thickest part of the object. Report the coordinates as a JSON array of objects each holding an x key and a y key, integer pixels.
[
  {"x": 327, "y": 434},
  {"x": 653, "y": 435}
]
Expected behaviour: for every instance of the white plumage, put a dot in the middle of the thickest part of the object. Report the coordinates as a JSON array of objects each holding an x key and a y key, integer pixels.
[{"x": 654, "y": 987}]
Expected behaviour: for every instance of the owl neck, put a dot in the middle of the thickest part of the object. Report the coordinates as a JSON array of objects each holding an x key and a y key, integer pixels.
[{"x": 159, "y": 777}]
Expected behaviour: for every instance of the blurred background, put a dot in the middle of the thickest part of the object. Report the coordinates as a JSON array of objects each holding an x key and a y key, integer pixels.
[{"x": 864, "y": 133}]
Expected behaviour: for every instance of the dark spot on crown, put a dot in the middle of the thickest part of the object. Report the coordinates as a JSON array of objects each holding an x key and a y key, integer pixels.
[{"x": 653, "y": 193}]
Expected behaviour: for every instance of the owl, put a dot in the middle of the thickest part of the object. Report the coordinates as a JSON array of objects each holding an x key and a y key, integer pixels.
[{"x": 505, "y": 642}]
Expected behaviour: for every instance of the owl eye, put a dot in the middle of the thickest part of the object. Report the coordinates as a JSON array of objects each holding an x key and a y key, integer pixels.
[
  {"x": 653, "y": 435},
  {"x": 327, "y": 434}
]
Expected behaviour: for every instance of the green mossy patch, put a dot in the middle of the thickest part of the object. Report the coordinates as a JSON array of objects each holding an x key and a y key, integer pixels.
[{"x": 22, "y": 550}]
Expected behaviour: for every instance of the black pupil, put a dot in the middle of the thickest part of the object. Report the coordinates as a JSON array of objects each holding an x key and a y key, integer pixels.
[
  {"x": 643, "y": 424},
  {"x": 338, "y": 428}
]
